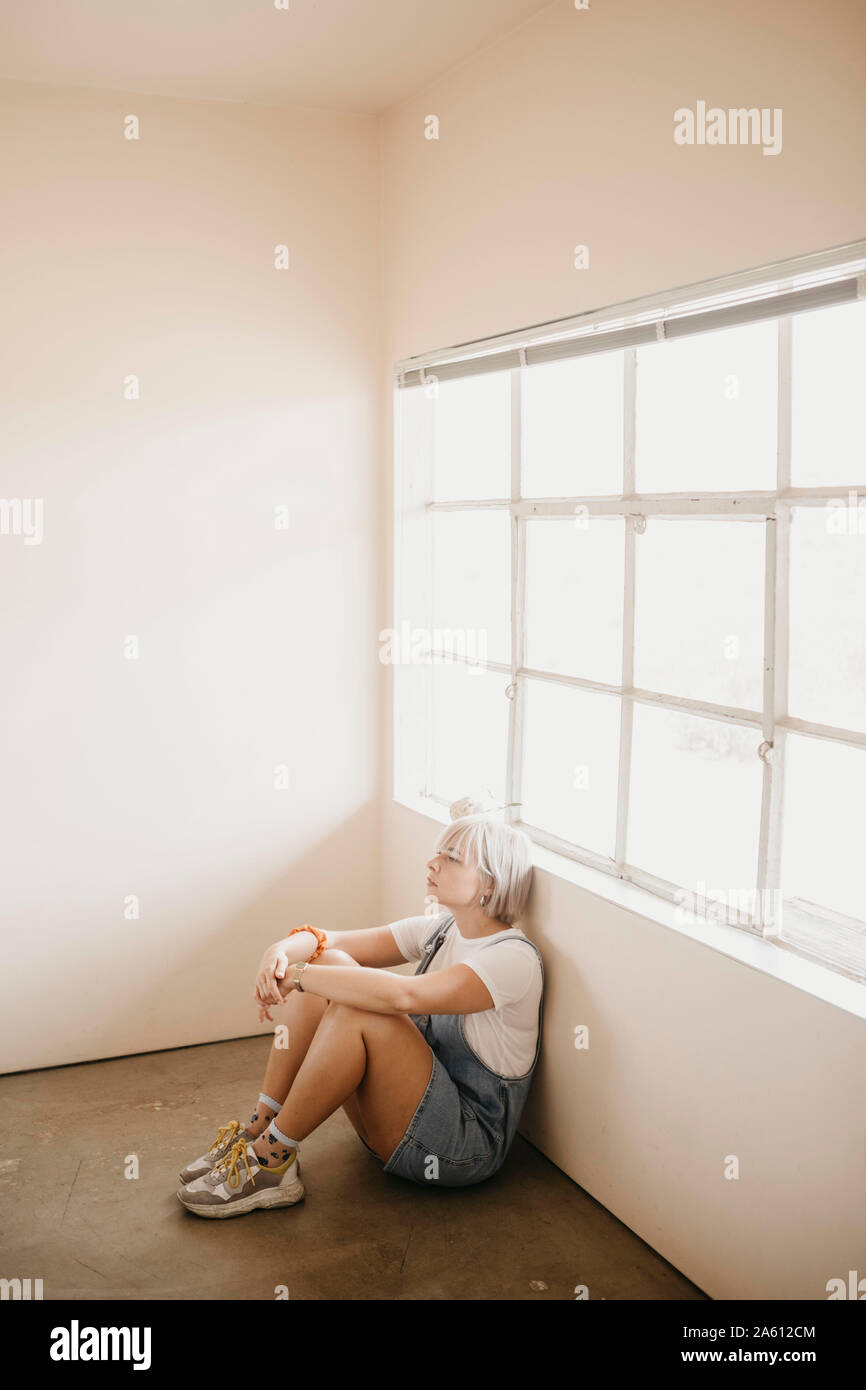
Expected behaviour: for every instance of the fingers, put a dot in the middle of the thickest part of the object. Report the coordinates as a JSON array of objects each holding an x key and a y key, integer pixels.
[
  {"x": 267, "y": 989},
  {"x": 281, "y": 966},
  {"x": 268, "y": 980},
  {"x": 264, "y": 988}
]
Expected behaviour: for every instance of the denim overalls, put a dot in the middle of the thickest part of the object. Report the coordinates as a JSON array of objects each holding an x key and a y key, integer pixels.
[{"x": 468, "y": 1115}]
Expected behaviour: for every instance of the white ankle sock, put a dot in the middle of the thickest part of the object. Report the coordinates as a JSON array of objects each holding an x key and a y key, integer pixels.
[{"x": 282, "y": 1138}]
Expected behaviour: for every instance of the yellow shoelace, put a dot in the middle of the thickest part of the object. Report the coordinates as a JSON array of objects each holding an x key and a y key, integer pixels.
[
  {"x": 229, "y": 1164},
  {"x": 225, "y": 1132}
]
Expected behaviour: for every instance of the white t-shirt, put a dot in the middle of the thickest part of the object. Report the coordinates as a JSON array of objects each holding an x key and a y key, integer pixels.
[{"x": 504, "y": 1037}]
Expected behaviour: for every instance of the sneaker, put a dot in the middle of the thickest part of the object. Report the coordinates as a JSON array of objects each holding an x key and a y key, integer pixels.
[
  {"x": 227, "y": 1136},
  {"x": 238, "y": 1183}
]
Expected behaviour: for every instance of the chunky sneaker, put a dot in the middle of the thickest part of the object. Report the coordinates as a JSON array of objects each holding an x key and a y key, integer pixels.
[
  {"x": 238, "y": 1183},
  {"x": 227, "y": 1136}
]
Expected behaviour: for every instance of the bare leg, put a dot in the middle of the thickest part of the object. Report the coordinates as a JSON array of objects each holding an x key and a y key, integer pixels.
[
  {"x": 303, "y": 1015},
  {"x": 382, "y": 1057}
]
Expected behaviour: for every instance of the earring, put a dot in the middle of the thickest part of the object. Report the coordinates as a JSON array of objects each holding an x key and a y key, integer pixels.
[{"x": 483, "y": 900}]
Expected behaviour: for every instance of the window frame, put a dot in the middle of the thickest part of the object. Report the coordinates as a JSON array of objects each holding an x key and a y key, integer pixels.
[{"x": 773, "y": 510}]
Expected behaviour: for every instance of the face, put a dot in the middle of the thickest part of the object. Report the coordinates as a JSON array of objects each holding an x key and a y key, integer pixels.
[{"x": 453, "y": 881}]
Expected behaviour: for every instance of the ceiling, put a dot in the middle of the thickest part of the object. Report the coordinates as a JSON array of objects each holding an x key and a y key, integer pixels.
[{"x": 348, "y": 55}]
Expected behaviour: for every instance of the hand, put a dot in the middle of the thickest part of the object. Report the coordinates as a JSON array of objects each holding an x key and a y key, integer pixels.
[
  {"x": 272, "y": 968},
  {"x": 285, "y": 988}
]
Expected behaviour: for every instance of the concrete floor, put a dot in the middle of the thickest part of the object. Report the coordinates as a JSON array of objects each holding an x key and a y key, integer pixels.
[{"x": 71, "y": 1218}]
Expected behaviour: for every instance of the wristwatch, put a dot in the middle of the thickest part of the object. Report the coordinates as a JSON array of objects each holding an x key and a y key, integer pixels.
[{"x": 299, "y": 970}]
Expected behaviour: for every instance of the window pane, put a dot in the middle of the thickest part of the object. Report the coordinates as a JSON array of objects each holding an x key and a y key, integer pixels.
[
  {"x": 471, "y": 593},
  {"x": 571, "y": 752},
  {"x": 472, "y": 437},
  {"x": 706, "y": 411},
  {"x": 574, "y": 581},
  {"x": 824, "y": 827},
  {"x": 413, "y": 425},
  {"x": 699, "y": 600},
  {"x": 469, "y": 731},
  {"x": 572, "y": 427},
  {"x": 412, "y": 488},
  {"x": 411, "y": 725},
  {"x": 828, "y": 353},
  {"x": 695, "y": 801},
  {"x": 827, "y": 658}
]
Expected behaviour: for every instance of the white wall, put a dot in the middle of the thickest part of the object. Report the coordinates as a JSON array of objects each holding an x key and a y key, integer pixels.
[
  {"x": 258, "y": 387},
  {"x": 558, "y": 135}
]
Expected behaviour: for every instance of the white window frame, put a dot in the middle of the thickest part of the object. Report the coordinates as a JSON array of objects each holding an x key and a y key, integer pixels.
[{"x": 772, "y": 509}]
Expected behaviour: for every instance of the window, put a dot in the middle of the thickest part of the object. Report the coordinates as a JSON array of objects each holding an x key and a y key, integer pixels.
[{"x": 630, "y": 571}]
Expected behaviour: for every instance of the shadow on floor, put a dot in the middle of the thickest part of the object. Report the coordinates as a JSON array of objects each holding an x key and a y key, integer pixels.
[{"x": 72, "y": 1218}]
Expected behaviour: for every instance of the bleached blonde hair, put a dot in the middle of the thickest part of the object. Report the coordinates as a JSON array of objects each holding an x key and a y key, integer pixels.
[{"x": 502, "y": 856}]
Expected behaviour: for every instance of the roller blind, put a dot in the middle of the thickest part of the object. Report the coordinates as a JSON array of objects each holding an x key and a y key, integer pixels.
[{"x": 663, "y": 326}]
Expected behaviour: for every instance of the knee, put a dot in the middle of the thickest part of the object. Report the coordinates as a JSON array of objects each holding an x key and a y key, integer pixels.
[
  {"x": 334, "y": 956},
  {"x": 352, "y": 1015}
]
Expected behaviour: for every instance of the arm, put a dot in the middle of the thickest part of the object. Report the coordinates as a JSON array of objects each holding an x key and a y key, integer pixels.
[
  {"x": 380, "y": 991},
  {"x": 457, "y": 990},
  {"x": 370, "y": 946},
  {"x": 375, "y": 947}
]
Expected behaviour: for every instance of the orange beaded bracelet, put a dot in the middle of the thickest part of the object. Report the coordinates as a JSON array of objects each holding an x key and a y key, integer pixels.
[{"x": 319, "y": 935}]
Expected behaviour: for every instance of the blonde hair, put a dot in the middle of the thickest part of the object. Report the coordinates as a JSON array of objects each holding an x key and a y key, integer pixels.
[{"x": 502, "y": 856}]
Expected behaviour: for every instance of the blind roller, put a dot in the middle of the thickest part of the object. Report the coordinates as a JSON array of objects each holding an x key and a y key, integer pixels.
[{"x": 674, "y": 326}]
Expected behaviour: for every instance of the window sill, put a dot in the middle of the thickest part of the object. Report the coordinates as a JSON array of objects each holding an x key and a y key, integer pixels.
[
  {"x": 750, "y": 950},
  {"x": 764, "y": 956}
]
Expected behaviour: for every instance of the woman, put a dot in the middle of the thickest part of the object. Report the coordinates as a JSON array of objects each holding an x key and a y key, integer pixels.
[{"x": 433, "y": 1069}]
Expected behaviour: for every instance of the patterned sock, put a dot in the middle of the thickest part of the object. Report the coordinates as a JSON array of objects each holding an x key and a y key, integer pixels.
[
  {"x": 266, "y": 1109},
  {"x": 273, "y": 1148}
]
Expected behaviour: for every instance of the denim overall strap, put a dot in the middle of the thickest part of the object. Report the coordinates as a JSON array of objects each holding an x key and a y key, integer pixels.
[
  {"x": 514, "y": 1090},
  {"x": 431, "y": 946},
  {"x": 433, "y": 942}
]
